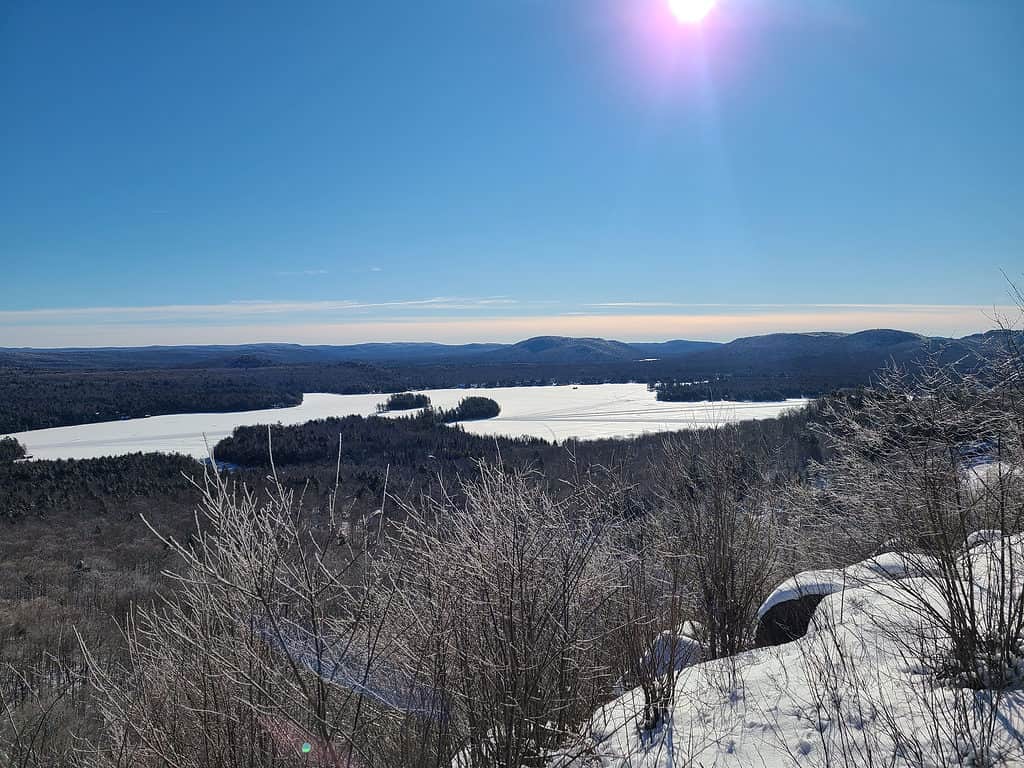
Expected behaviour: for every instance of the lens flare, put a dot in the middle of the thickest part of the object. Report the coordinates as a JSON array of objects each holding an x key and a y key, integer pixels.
[{"x": 691, "y": 11}]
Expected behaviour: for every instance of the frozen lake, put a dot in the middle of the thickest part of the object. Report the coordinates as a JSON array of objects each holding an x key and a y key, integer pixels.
[{"x": 552, "y": 413}]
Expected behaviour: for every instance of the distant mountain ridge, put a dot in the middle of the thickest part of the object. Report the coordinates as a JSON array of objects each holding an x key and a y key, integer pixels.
[
  {"x": 821, "y": 351},
  {"x": 540, "y": 349},
  {"x": 50, "y": 388},
  {"x": 562, "y": 349},
  {"x": 832, "y": 352}
]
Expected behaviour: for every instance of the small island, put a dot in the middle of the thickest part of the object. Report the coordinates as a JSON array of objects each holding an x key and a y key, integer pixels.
[
  {"x": 404, "y": 401},
  {"x": 470, "y": 409},
  {"x": 717, "y": 391}
]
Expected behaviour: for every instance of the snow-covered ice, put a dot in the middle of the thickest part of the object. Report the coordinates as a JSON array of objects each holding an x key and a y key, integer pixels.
[{"x": 552, "y": 413}]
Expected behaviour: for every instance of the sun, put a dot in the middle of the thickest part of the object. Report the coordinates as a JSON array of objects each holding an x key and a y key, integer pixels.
[{"x": 691, "y": 11}]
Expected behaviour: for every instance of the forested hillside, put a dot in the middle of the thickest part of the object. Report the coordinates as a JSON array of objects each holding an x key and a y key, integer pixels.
[{"x": 759, "y": 368}]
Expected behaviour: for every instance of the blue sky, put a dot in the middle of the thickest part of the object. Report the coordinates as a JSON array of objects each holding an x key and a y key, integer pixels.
[{"x": 492, "y": 169}]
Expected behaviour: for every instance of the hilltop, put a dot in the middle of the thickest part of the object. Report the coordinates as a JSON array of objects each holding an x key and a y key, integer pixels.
[{"x": 777, "y": 351}]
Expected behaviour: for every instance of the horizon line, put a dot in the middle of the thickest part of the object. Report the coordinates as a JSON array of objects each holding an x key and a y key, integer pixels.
[
  {"x": 400, "y": 342},
  {"x": 462, "y": 320},
  {"x": 941, "y": 321}
]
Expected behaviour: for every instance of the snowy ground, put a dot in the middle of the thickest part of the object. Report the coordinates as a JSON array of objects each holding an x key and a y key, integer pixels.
[
  {"x": 858, "y": 690},
  {"x": 552, "y": 413}
]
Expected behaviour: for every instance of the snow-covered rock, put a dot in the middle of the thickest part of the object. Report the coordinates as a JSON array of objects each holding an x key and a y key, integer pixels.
[
  {"x": 861, "y": 688},
  {"x": 786, "y": 621},
  {"x": 882, "y": 567},
  {"x": 987, "y": 475},
  {"x": 672, "y": 650},
  {"x": 788, "y": 611},
  {"x": 984, "y": 536},
  {"x": 690, "y": 628}
]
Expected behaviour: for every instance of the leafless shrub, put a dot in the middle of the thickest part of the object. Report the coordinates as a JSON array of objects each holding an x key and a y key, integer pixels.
[
  {"x": 263, "y": 652},
  {"x": 642, "y": 607},
  {"x": 511, "y": 586},
  {"x": 36, "y": 715},
  {"x": 722, "y": 534}
]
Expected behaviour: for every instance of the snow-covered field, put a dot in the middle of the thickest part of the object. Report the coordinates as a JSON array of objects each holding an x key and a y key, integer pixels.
[{"x": 552, "y": 413}]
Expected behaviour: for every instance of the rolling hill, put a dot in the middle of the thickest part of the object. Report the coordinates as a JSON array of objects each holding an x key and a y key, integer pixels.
[{"x": 772, "y": 353}]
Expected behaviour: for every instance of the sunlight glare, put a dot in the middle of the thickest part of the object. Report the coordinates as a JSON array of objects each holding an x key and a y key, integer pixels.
[{"x": 691, "y": 11}]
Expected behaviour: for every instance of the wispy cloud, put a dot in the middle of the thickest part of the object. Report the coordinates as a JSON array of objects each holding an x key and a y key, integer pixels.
[
  {"x": 244, "y": 308},
  {"x": 782, "y": 307},
  {"x": 302, "y": 273},
  {"x": 644, "y": 304}
]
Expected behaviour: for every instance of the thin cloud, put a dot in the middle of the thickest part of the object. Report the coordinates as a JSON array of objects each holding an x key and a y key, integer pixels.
[
  {"x": 642, "y": 305},
  {"x": 302, "y": 273},
  {"x": 786, "y": 307},
  {"x": 242, "y": 309}
]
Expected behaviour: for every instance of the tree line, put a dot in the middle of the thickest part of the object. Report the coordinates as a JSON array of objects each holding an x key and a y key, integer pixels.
[
  {"x": 39, "y": 399},
  {"x": 763, "y": 389}
]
